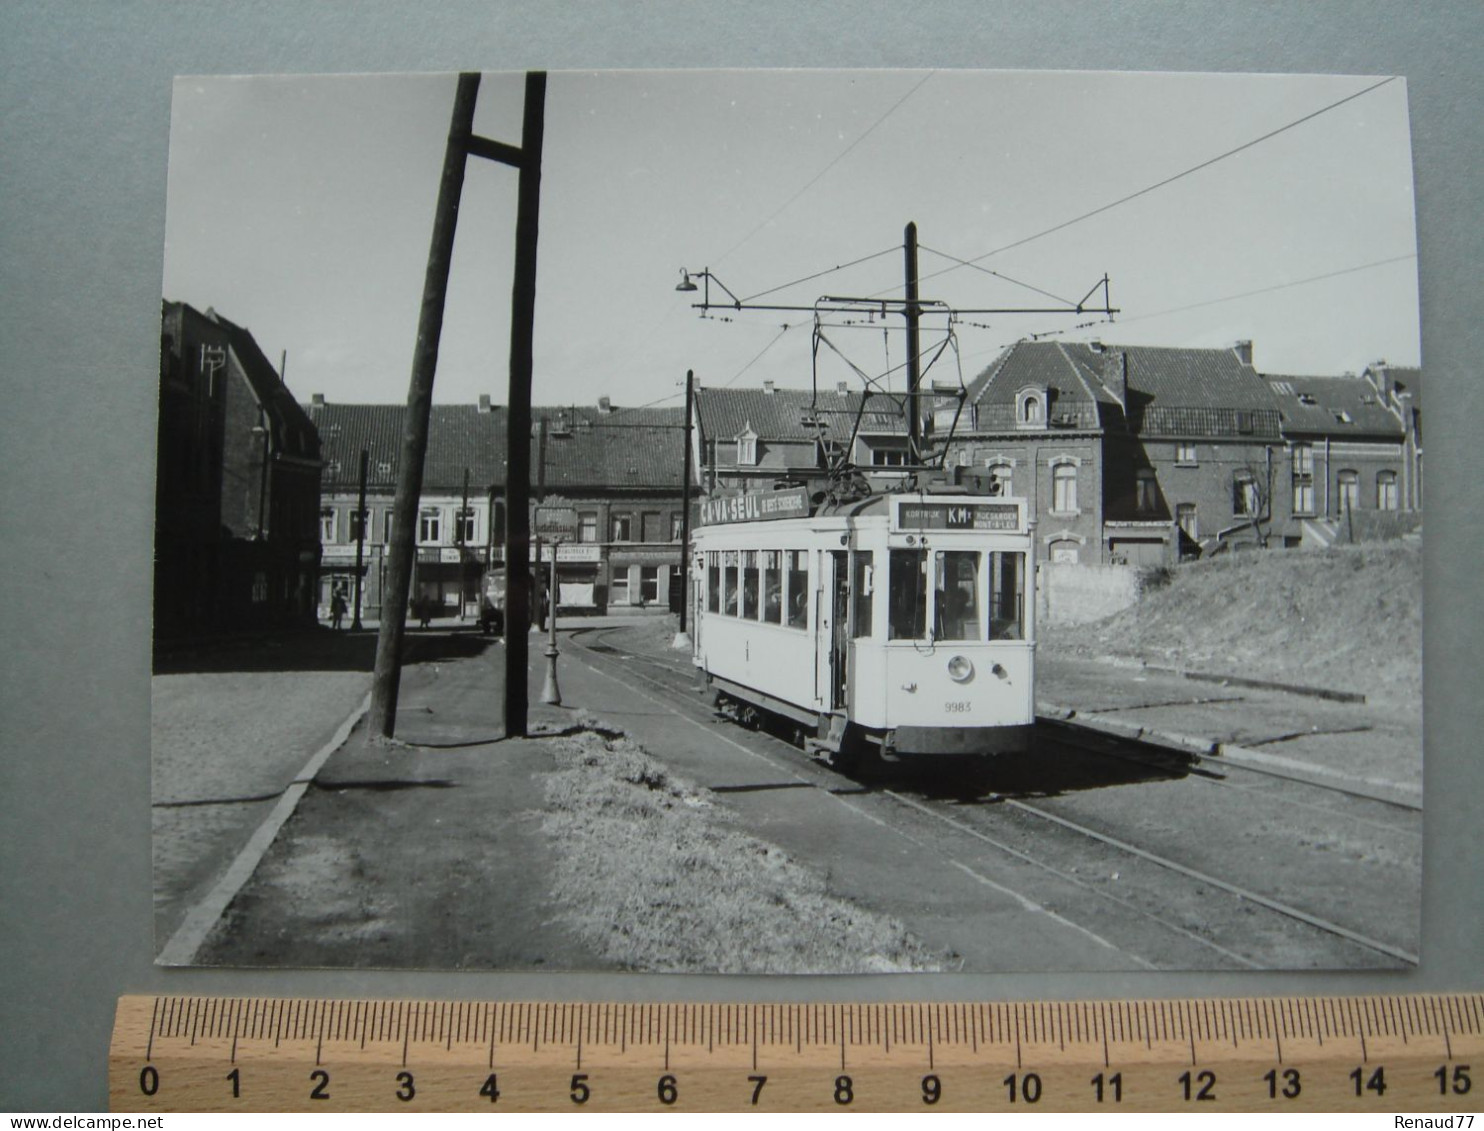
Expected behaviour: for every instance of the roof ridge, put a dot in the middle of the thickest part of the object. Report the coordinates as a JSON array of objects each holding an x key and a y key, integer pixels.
[{"x": 1077, "y": 373}]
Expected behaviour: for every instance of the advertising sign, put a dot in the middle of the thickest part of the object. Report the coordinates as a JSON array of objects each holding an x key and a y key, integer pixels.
[
  {"x": 756, "y": 506},
  {"x": 555, "y": 523}
]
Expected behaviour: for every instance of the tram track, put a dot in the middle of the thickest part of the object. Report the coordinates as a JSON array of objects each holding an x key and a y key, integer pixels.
[{"x": 671, "y": 678}]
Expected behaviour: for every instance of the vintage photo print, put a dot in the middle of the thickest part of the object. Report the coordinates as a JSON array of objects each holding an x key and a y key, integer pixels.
[{"x": 789, "y": 522}]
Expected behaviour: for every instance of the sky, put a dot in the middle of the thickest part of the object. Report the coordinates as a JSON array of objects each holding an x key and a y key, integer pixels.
[{"x": 1270, "y": 208}]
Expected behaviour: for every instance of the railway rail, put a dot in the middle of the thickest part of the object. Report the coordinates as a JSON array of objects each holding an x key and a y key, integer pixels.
[{"x": 1042, "y": 836}]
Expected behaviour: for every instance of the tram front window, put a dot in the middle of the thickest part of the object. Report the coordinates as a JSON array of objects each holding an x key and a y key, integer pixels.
[
  {"x": 907, "y": 616},
  {"x": 956, "y": 593},
  {"x": 1006, "y": 597}
]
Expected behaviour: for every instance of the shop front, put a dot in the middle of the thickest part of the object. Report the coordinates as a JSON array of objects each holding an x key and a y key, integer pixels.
[{"x": 640, "y": 577}]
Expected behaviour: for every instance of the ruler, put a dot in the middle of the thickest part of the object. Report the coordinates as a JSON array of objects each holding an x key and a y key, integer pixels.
[{"x": 1380, "y": 1054}]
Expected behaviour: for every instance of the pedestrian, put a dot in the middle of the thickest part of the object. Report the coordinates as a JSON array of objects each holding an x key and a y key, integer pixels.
[{"x": 337, "y": 609}]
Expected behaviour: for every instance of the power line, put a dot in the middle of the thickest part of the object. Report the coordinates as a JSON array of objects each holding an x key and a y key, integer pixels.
[
  {"x": 815, "y": 180},
  {"x": 1275, "y": 287},
  {"x": 757, "y": 355},
  {"x": 1171, "y": 179}
]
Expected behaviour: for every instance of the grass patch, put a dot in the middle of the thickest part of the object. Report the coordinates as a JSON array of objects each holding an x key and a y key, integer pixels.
[{"x": 654, "y": 875}]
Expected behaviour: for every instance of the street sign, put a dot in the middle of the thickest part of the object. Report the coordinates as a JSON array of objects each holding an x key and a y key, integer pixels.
[{"x": 555, "y": 523}]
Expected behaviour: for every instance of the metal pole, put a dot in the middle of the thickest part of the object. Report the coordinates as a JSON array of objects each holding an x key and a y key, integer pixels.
[
  {"x": 463, "y": 548},
  {"x": 387, "y": 676},
  {"x": 522, "y": 332},
  {"x": 682, "y": 638},
  {"x": 551, "y": 693},
  {"x": 914, "y": 374},
  {"x": 361, "y": 520}
]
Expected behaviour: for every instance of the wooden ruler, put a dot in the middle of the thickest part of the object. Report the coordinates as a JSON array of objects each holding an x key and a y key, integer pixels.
[{"x": 1416, "y": 1053}]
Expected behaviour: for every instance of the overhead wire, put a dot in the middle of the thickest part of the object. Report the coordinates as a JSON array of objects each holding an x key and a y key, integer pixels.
[
  {"x": 818, "y": 176},
  {"x": 1170, "y": 179}
]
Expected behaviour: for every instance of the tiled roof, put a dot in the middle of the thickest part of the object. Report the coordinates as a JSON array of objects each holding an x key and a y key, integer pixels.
[
  {"x": 1334, "y": 406},
  {"x": 723, "y": 414},
  {"x": 585, "y": 447},
  {"x": 1174, "y": 391}
]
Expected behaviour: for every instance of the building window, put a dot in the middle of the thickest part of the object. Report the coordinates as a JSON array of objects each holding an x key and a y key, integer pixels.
[
  {"x": 1064, "y": 488},
  {"x": 386, "y": 527},
  {"x": 1146, "y": 491},
  {"x": 360, "y": 526},
  {"x": 1001, "y": 479},
  {"x": 466, "y": 527},
  {"x": 1386, "y": 497},
  {"x": 1185, "y": 518},
  {"x": 618, "y": 590},
  {"x": 430, "y": 526},
  {"x": 587, "y": 526},
  {"x": 623, "y": 528},
  {"x": 747, "y": 449},
  {"x": 649, "y": 585},
  {"x": 1303, "y": 479},
  {"x": 1064, "y": 552},
  {"x": 259, "y": 587},
  {"x": 1244, "y": 493},
  {"x": 676, "y": 521},
  {"x": 1244, "y": 422},
  {"x": 327, "y": 525},
  {"x": 650, "y": 526},
  {"x": 1032, "y": 411},
  {"x": 1185, "y": 453},
  {"x": 888, "y": 457},
  {"x": 1349, "y": 484}
]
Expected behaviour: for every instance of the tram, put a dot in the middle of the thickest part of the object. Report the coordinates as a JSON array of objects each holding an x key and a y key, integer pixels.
[{"x": 901, "y": 623}]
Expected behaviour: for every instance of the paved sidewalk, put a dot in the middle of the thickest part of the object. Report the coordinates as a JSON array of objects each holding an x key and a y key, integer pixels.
[{"x": 1378, "y": 748}]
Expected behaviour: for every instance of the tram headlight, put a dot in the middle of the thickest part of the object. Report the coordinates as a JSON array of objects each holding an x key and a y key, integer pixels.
[{"x": 960, "y": 669}]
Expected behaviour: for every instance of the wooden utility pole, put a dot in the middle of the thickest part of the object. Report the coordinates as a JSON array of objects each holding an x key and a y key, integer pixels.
[
  {"x": 690, "y": 385},
  {"x": 387, "y": 675},
  {"x": 518, "y": 475},
  {"x": 914, "y": 349}
]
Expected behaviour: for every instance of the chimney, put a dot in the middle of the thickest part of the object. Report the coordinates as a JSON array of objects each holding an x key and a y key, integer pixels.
[
  {"x": 484, "y": 402},
  {"x": 605, "y": 405},
  {"x": 768, "y": 388},
  {"x": 1095, "y": 345},
  {"x": 1243, "y": 350},
  {"x": 317, "y": 400},
  {"x": 842, "y": 387}
]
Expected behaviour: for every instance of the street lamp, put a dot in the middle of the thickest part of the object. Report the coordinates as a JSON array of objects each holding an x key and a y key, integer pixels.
[{"x": 687, "y": 285}]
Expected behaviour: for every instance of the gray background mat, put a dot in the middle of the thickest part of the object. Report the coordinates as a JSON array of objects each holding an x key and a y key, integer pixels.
[{"x": 84, "y": 126}]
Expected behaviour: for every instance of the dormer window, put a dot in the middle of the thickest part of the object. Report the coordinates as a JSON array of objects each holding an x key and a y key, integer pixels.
[
  {"x": 747, "y": 448},
  {"x": 1030, "y": 408}
]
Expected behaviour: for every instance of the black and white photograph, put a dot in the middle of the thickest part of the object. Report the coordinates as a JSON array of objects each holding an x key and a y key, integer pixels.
[{"x": 789, "y": 522}]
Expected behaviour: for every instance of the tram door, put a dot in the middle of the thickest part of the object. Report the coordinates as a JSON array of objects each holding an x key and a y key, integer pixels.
[{"x": 839, "y": 625}]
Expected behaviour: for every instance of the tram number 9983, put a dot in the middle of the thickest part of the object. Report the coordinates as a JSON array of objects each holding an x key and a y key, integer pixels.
[{"x": 958, "y": 706}]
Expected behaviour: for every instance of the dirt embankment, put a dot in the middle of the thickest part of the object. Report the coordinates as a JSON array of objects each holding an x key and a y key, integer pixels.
[
  {"x": 652, "y": 875},
  {"x": 1347, "y": 618}
]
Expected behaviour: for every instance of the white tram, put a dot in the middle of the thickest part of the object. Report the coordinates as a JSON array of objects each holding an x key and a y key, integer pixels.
[{"x": 903, "y": 621}]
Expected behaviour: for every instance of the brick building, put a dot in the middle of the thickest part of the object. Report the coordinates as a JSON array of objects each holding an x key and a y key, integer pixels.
[
  {"x": 1348, "y": 460},
  {"x": 754, "y": 439},
  {"x": 620, "y": 469},
  {"x": 1135, "y": 454},
  {"x": 237, "y": 484}
]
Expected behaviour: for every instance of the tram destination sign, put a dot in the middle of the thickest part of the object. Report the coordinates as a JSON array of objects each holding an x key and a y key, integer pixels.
[
  {"x": 756, "y": 506},
  {"x": 957, "y": 514}
]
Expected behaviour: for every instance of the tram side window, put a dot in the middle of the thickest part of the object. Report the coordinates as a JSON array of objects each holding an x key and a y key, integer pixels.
[
  {"x": 957, "y": 595},
  {"x": 1006, "y": 599},
  {"x": 749, "y": 584},
  {"x": 907, "y": 617},
  {"x": 863, "y": 590},
  {"x": 772, "y": 587},
  {"x": 729, "y": 582},
  {"x": 713, "y": 582},
  {"x": 798, "y": 588}
]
